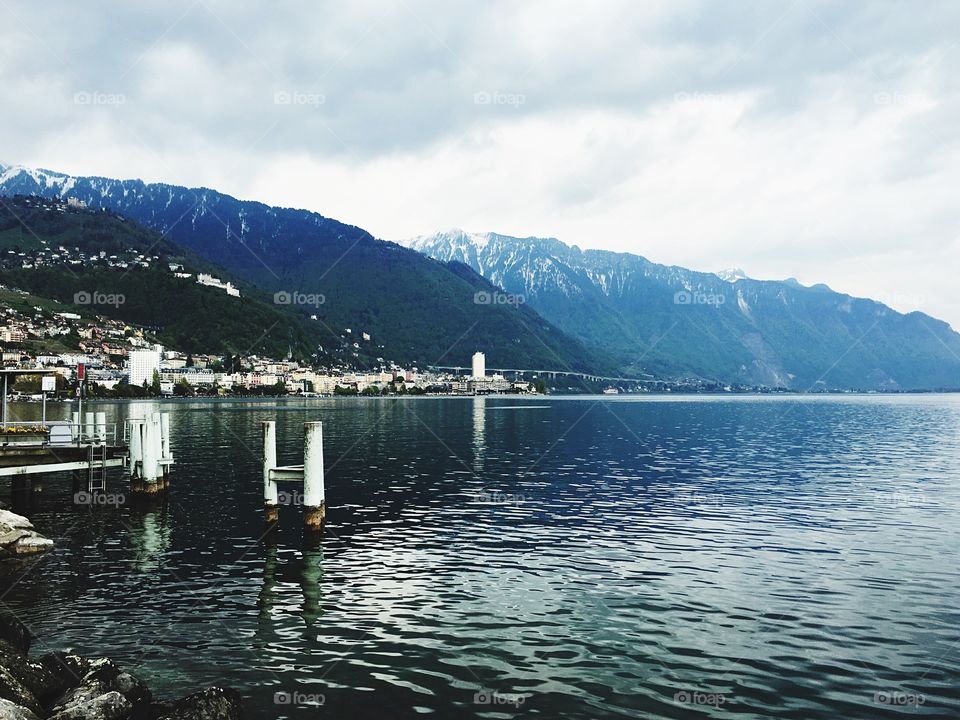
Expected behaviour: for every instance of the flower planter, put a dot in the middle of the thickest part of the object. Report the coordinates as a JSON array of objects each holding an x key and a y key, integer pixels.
[{"x": 23, "y": 437}]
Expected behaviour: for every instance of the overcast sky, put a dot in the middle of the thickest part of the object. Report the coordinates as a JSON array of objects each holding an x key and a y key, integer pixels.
[{"x": 808, "y": 139}]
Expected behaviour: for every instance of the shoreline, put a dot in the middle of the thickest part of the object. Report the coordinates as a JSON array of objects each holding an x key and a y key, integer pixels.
[{"x": 64, "y": 686}]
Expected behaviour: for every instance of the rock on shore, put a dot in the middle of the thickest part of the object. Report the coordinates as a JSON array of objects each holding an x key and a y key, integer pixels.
[
  {"x": 60, "y": 686},
  {"x": 17, "y": 536}
]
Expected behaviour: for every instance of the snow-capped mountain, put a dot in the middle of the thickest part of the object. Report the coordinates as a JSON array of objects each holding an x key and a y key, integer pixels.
[{"x": 726, "y": 326}]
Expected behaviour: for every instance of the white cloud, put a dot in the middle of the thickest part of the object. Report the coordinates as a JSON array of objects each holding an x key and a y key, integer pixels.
[{"x": 812, "y": 140}]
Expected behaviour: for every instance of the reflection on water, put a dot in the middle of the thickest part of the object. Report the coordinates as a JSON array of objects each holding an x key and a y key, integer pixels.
[
  {"x": 797, "y": 557},
  {"x": 479, "y": 432},
  {"x": 150, "y": 534}
]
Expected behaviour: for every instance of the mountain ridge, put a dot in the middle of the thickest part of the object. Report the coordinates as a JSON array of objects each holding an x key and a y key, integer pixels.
[
  {"x": 677, "y": 322},
  {"x": 417, "y": 310}
]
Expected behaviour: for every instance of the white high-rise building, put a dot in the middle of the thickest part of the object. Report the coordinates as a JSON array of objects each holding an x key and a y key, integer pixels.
[
  {"x": 142, "y": 365},
  {"x": 479, "y": 365}
]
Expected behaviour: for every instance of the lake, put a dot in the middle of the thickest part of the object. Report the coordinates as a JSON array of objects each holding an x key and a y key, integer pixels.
[{"x": 588, "y": 557}]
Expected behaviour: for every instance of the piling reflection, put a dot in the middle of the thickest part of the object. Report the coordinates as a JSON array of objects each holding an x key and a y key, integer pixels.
[
  {"x": 303, "y": 568},
  {"x": 150, "y": 528}
]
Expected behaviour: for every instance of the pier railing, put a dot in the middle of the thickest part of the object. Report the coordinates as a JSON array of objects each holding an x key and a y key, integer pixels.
[{"x": 94, "y": 430}]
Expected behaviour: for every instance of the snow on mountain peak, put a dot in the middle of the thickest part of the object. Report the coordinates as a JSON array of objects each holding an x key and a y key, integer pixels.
[
  {"x": 43, "y": 178},
  {"x": 455, "y": 237},
  {"x": 732, "y": 275}
]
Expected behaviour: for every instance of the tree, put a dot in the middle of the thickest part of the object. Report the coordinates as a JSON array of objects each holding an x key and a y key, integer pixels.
[
  {"x": 183, "y": 388},
  {"x": 155, "y": 383}
]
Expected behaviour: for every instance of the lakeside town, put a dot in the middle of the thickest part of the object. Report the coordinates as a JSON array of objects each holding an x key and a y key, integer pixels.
[{"x": 117, "y": 359}]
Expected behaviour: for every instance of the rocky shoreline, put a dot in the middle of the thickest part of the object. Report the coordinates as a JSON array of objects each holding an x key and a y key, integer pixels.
[{"x": 62, "y": 686}]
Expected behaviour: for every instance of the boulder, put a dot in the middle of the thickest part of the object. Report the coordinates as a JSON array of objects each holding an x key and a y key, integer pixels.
[
  {"x": 14, "y": 632},
  {"x": 16, "y": 692},
  {"x": 42, "y": 683},
  {"x": 109, "y": 706},
  {"x": 12, "y": 711},
  {"x": 214, "y": 703},
  {"x": 14, "y": 520},
  {"x": 133, "y": 689},
  {"x": 86, "y": 691},
  {"x": 31, "y": 544},
  {"x": 106, "y": 671},
  {"x": 18, "y": 537},
  {"x": 70, "y": 669}
]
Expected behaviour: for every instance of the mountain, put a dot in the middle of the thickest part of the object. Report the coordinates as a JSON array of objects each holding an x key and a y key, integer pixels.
[
  {"x": 674, "y": 322},
  {"x": 99, "y": 263},
  {"x": 415, "y": 309}
]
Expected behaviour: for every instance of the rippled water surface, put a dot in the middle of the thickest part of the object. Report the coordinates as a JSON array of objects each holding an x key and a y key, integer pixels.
[{"x": 579, "y": 558}]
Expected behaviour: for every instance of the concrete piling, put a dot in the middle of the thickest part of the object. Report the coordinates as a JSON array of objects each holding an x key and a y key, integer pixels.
[
  {"x": 136, "y": 446},
  {"x": 310, "y": 474},
  {"x": 270, "y": 495},
  {"x": 101, "y": 427},
  {"x": 314, "y": 493},
  {"x": 75, "y": 426},
  {"x": 88, "y": 426},
  {"x": 150, "y": 455},
  {"x": 165, "y": 433}
]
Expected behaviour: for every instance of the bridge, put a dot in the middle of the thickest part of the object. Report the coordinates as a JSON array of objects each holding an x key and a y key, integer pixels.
[{"x": 551, "y": 373}]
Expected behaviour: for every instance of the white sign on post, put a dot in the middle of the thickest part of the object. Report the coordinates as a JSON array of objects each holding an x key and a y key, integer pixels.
[{"x": 48, "y": 383}]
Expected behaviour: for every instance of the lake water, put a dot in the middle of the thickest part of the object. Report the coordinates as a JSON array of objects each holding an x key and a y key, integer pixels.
[{"x": 593, "y": 558}]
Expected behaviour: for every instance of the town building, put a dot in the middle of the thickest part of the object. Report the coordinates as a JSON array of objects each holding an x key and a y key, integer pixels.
[
  {"x": 142, "y": 365},
  {"x": 479, "y": 366}
]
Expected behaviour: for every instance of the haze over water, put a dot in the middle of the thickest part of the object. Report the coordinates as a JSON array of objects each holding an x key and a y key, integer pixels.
[{"x": 575, "y": 557}]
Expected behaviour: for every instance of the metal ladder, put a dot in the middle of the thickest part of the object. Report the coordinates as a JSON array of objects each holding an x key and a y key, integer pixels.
[{"x": 97, "y": 468}]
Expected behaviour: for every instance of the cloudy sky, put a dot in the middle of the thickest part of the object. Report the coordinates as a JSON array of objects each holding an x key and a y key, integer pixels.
[{"x": 806, "y": 138}]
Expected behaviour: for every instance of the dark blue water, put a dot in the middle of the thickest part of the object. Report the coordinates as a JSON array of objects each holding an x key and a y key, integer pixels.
[{"x": 576, "y": 558}]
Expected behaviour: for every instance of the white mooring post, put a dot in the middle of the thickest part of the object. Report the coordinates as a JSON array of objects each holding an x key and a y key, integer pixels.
[
  {"x": 270, "y": 495},
  {"x": 101, "y": 421},
  {"x": 165, "y": 432},
  {"x": 88, "y": 426},
  {"x": 150, "y": 448},
  {"x": 75, "y": 426},
  {"x": 136, "y": 446},
  {"x": 314, "y": 495},
  {"x": 158, "y": 435}
]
